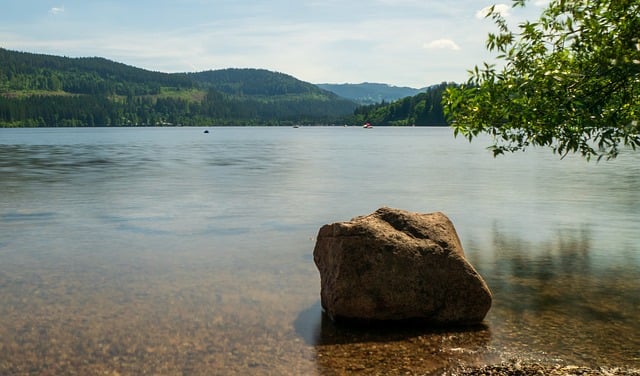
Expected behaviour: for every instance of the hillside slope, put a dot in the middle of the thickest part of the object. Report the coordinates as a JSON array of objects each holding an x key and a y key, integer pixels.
[
  {"x": 46, "y": 90},
  {"x": 256, "y": 82},
  {"x": 423, "y": 109}
]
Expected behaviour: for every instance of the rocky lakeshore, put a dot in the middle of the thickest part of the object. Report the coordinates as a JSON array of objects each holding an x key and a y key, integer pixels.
[{"x": 526, "y": 369}]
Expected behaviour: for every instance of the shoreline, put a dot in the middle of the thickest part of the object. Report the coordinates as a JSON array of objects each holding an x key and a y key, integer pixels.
[{"x": 517, "y": 368}]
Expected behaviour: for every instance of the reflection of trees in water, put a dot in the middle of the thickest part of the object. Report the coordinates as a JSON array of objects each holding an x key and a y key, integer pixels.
[
  {"x": 559, "y": 296},
  {"x": 566, "y": 254},
  {"x": 559, "y": 275}
]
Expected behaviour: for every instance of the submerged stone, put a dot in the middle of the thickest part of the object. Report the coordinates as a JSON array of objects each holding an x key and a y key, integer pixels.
[{"x": 398, "y": 265}]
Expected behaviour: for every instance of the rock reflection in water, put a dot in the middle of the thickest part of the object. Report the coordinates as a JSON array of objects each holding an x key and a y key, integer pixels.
[
  {"x": 554, "y": 303},
  {"x": 390, "y": 349}
]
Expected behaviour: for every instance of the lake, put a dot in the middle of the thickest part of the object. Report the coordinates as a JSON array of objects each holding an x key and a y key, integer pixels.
[{"x": 170, "y": 251}]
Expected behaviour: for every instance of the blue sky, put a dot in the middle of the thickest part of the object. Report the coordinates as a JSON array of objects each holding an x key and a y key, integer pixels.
[{"x": 399, "y": 42}]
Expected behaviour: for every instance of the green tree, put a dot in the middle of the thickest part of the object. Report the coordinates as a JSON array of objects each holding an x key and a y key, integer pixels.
[{"x": 569, "y": 81}]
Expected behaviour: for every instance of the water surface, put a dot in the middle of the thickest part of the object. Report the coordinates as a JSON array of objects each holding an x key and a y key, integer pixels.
[{"x": 170, "y": 251}]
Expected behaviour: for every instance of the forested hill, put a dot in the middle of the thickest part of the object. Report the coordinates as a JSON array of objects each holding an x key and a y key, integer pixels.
[
  {"x": 45, "y": 90},
  {"x": 424, "y": 109},
  {"x": 257, "y": 82},
  {"x": 22, "y": 72}
]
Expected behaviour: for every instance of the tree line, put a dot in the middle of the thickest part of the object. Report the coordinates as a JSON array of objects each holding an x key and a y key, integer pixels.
[
  {"x": 44, "y": 90},
  {"x": 47, "y": 91},
  {"x": 52, "y": 111},
  {"x": 423, "y": 109}
]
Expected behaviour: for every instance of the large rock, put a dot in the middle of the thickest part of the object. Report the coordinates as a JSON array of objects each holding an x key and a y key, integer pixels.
[{"x": 398, "y": 265}]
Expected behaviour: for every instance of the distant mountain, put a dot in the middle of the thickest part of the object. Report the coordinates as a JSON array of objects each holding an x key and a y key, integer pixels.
[
  {"x": 45, "y": 90},
  {"x": 371, "y": 93}
]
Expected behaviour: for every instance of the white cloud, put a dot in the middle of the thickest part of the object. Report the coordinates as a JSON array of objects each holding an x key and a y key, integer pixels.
[
  {"x": 56, "y": 10},
  {"x": 325, "y": 45},
  {"x": 442, "y": 44},
  {"x": 541, "y": 3},
  {"x": 502, "y": 9}
]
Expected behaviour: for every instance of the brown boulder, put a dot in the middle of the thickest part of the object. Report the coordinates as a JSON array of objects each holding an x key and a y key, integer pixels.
[{"x": 398, "y": 265}]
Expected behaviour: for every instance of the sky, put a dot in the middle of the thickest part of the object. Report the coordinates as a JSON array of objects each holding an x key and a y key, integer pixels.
[{"x": 413, "y": 43}]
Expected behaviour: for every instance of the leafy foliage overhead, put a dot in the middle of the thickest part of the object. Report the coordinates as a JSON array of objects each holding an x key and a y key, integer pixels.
[{"x": 569, "y": 81}]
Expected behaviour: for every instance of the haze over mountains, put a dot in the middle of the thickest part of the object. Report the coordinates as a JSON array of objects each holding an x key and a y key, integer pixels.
[{"x": 371, "y": 93}]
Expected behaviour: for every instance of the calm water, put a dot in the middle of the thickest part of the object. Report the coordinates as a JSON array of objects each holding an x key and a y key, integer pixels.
[{"x": 170, "y": 251}]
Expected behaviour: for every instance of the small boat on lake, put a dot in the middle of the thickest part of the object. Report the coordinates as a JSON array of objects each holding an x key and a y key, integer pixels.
[{"x": 367, "y": 125}]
